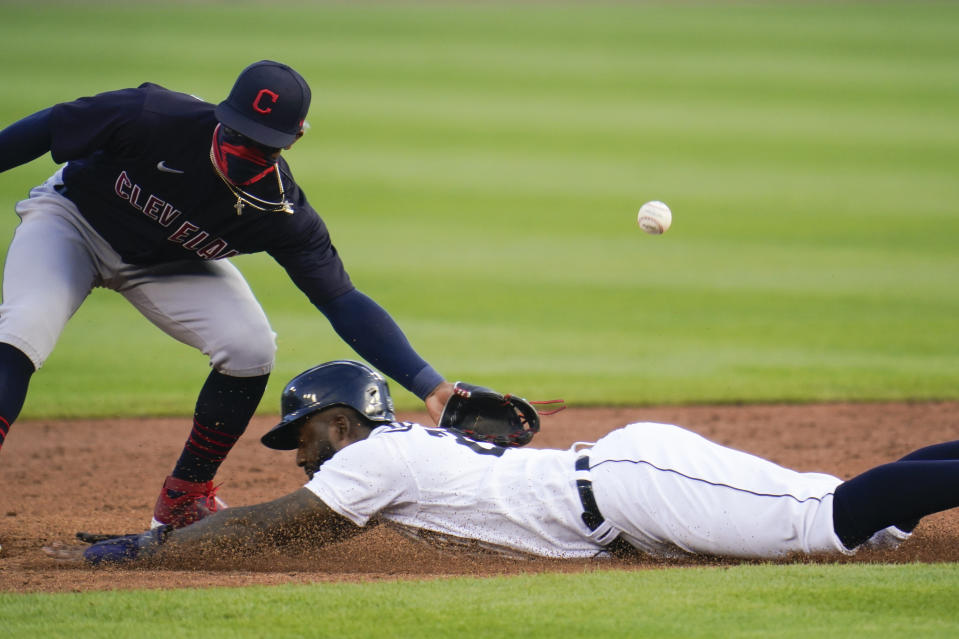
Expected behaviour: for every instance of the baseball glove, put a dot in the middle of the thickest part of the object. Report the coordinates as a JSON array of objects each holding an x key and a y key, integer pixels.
[{"x": 484, "y": 415}]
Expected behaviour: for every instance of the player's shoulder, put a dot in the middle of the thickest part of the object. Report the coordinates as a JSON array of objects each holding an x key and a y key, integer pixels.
[
  {"x": 145, "y": 93},
  {"x": 385, "y": 447},
  {"x": 403, "y": 431},
  {"x": 161, "y": 100},
  {"x": 394, "y": 428},
  {"x": 153, "y": 101},
  {"x": 415, "y": 435}
]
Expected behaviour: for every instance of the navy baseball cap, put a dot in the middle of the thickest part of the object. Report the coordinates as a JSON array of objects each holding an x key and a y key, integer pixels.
[{"x": 268, "y": 104}]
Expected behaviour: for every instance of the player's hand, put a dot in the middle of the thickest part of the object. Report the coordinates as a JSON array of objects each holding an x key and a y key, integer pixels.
[
  {"x": 436, "y": 401},
  {"x": 117, "y": 550},
  {"x": 63, "y": 552}
]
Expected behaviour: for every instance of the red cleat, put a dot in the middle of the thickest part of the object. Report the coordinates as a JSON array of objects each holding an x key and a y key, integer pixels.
[{"x": 183, "y": 502}]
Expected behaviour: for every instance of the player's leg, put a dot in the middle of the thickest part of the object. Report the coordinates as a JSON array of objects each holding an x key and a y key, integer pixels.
[
  {"x": 946, "y": 450},
  {"x": 48, "y": 273},
  {"x": 897, "y": 494},
  {"x": 891, "y": 537},
  {"x": 207, "y": 305},
  {"x": 15, "y": 372}
]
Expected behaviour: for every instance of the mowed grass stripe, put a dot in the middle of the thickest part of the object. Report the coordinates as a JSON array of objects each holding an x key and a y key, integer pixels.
[
  {"x": 735, "y": 601},
  {"x": 808, "y": 152}
]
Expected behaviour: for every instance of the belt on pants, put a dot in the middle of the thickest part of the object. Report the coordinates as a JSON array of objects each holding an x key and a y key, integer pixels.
[{"x": 603, "y": 533}]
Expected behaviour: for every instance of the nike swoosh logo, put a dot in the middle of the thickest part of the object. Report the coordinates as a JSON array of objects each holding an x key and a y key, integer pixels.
[{"x": 161, "y": 166}]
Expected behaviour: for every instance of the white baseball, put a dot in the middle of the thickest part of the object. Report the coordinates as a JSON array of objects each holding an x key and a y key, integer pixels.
[{"x": 654, "y": 217}]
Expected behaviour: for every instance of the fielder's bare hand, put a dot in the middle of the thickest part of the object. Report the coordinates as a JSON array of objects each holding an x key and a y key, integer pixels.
[{"x": 436, "y": 401}]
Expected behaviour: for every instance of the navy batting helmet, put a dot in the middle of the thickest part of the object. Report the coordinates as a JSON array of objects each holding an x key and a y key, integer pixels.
[{"x": 338, "y": 383}]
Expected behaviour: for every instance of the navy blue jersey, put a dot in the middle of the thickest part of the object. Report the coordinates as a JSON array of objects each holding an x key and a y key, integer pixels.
[{"x": 139, "y": 170}]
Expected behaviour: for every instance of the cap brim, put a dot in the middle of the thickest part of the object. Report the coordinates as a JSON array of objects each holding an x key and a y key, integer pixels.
[{"x": 232, "y": 118}]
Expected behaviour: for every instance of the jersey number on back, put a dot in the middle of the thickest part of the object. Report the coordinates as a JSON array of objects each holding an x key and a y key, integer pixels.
[{"x": 481, "y": 448}]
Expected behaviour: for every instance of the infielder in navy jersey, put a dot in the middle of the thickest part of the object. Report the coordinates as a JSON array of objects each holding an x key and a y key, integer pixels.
[
  {"x": 656, "y": 488},
  {"x": 158, "y": 188}
]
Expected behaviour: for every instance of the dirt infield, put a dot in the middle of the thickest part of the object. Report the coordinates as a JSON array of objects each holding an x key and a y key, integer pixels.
[{"x": 58, "y": 478}]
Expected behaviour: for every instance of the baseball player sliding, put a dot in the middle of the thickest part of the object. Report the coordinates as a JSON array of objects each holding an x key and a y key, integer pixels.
[
  {"x": 158, "y": 190},
  {"x": 657, "y": 488}
]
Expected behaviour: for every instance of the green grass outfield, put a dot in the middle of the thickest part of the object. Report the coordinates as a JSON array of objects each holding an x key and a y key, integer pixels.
[
  {"x": 746, "y": 601},
  {"x": 480, "y": 167}
]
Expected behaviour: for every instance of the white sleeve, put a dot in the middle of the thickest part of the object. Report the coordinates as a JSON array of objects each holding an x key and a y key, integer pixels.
[{"x": 363, "y": 479}]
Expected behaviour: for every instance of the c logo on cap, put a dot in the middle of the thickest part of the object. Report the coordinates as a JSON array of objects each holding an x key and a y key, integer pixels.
[{"x": 264, "y": 93}]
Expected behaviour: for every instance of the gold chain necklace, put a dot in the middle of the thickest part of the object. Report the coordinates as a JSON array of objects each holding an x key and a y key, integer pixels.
[{"x": 243, "y": 198}]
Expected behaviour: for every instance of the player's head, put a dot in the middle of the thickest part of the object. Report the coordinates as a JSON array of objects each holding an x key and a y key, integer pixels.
[
  {"x": 325, "y": 432},
  {"x": 339, "y": 383},
  {"x": 268, "y": 104}
]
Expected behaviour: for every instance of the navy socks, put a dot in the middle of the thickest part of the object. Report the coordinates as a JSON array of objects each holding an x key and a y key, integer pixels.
[
  {"x": 223, "y": 410},
  {"x": 898, "y": 494},
  {"x": 15, "y": 372}
]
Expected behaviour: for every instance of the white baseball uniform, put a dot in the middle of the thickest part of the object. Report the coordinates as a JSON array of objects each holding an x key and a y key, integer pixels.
[{"x": 665, "y": 490}]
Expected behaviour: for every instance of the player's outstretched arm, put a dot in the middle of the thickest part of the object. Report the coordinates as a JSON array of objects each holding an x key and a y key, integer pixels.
[
  {"x": 373, "y": 333},
  {"x": 25, "y": 140},
  {"x": 300, "y": 517}
]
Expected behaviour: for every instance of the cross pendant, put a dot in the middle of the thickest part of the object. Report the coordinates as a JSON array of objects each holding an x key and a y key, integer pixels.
[{"x": 238, "y": 206}]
